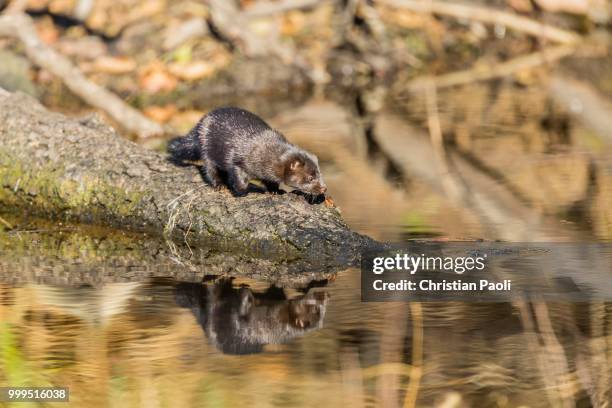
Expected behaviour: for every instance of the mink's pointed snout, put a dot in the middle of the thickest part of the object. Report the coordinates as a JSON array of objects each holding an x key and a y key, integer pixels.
[{"x": 323, "y": 189}]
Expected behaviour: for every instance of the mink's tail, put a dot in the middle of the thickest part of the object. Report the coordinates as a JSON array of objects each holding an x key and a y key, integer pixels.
[{"x": 184, "y": 148}]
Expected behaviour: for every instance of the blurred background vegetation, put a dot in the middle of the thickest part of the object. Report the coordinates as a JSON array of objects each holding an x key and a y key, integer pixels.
[{"x": 445, "y": 120}]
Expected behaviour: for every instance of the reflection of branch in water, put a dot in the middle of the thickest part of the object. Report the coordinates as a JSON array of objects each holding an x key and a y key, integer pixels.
[
  {"x": 600, "y": 386},
  {"x": 393, "y": 339},
  {"x": 487, "y": 15},
  {"x": 416, "y": 371},
  {"x": 352, "y": 376},
  {"x": 548, "y": 352}
]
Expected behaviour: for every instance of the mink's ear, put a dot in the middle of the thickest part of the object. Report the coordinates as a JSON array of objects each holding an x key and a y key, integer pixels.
[{"x": 295, "y": 164}]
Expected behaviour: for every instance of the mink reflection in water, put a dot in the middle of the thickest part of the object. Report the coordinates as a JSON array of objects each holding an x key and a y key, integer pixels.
[{"x": 238, "y": 320}]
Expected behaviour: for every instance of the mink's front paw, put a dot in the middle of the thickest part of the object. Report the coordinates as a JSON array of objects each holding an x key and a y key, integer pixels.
[
  {"x": 310, "y": 198},
  {"x": 272, "y": 187},
  {"x": 315, "y": 199},
  {"x": 239, "y": 193}
]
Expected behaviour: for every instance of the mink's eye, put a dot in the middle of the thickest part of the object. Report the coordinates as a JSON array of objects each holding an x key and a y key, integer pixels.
[{"x": 310, "y": 178}]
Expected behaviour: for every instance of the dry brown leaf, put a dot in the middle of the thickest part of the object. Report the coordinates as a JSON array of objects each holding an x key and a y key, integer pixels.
[
  {"x": 88, "y": 47},
  {"x": 246, "y": 3},
  {"x": 292, "y": 23},
  {"x": 160, "y": 114},
  {"x": 221, "y": 59},
  {"x": 192, "y": 71},
  {"x": 37, "y": 4},
  {"x": 567, "y": 6},
  {"x": 405, "y": 18},
  {"x": 146, "y": 9},
  {"x": 114, "y": 65},
  {"x": 47, "y": 32},
  {"x": 62, "y": 6},
  {"x": 44, "y": 77},
  {"x": 155, "y": 78},
  {"x": 329, "y": 202},
  {"x": 522, "y": 6}
]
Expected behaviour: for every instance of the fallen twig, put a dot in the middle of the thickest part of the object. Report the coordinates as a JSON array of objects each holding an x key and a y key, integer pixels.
[
  {"x": 262, "y": 9},
  {"x": 16, "y": 6},
  {"x": 6, "y": 223},
  {"x": 233, "y": 26},
  {"x": 550, "y": 356},
  {"x": 190, "y": 29},
  {"x": 416, "y": 371},
  {"x": 486, "y": 72},
  {"x": 21, "y": 26},
  {"x": 487, "y": 15}
]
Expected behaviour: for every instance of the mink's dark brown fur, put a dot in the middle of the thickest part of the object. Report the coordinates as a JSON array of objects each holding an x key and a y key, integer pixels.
[{"x": 237, "y": 146}]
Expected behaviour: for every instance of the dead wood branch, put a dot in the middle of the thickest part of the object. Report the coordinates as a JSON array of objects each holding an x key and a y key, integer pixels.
[
  {"x": 233, "y": 26},
  {"x": 267, "y": 8},
  {"x": 416, "y": 371},
  {"x": 489, "y": 16},
  {"x": 21, "y": 26},
  {"x": 487, "y": 72}
]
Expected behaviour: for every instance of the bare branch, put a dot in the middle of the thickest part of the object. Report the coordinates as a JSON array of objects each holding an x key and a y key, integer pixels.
[
  {"x": 230, "y": 22},
  {"x": 416, "y": 371},
  {"x": 20, "y": 26},
  {"x": 16, "y": 6},
  {"x": 486, "y": 72},
  {"x": 490, "y": 16},
  {"x": 266, "y": 8}
]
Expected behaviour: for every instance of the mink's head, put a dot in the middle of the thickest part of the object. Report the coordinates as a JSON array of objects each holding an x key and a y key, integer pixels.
[{"x": 301, "y": 171}]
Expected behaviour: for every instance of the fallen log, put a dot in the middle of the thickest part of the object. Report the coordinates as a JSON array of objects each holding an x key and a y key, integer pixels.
[{"x": 64, "y": 168}]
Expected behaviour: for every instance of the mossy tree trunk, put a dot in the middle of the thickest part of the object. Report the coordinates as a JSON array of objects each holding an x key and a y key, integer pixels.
[{"x": 82, "y": 170}]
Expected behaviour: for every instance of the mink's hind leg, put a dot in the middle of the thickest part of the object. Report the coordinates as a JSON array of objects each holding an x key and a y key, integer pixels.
[
  {"x": 272, "y": 187},
  {"x": 211, "y": 175},
  {"x": 238, "y": 181}
]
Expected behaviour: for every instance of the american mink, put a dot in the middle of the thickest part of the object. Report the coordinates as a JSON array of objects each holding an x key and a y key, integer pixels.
[{"x": 237, "y": 146}]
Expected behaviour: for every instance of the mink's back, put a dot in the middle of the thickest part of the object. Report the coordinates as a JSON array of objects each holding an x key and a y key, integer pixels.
[{"x": 227, "y": 134}]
